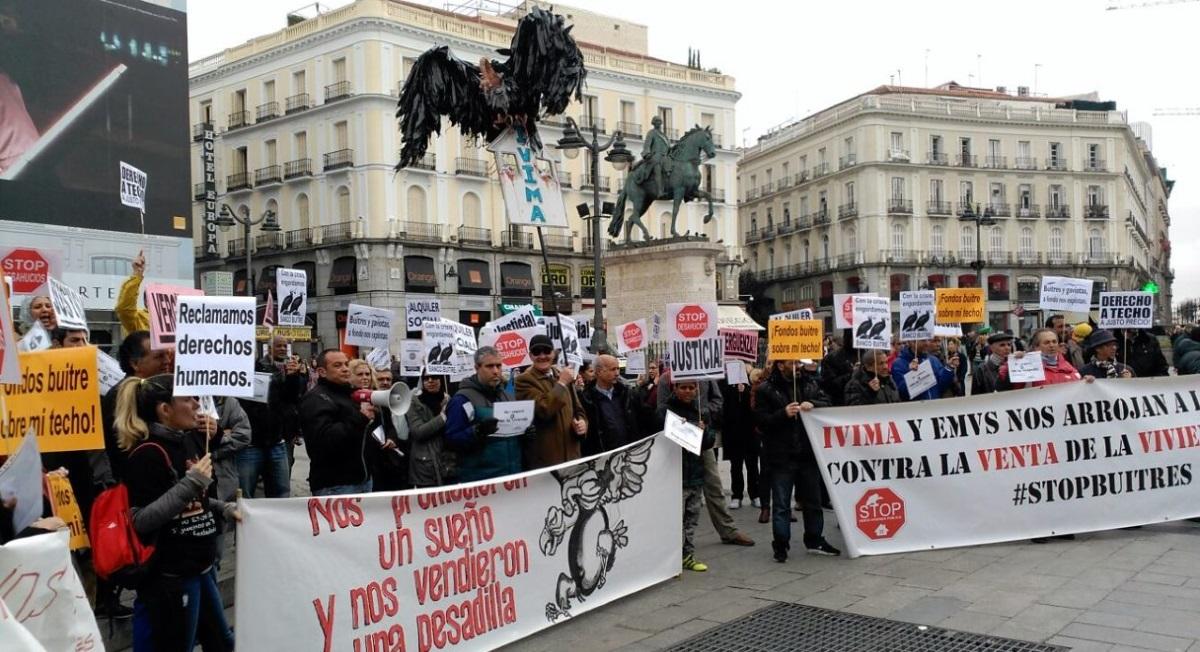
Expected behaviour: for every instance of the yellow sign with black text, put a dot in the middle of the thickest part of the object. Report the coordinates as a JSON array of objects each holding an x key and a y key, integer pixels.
[
  {"x": 795, "y": 339},
  {"x": 64, "y": 506},
  {"x": 58, "y": 397},
  {"x": 960, "y": 306}
]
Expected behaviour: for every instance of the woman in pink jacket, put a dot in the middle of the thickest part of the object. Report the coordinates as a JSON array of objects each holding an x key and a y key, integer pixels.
[{"x": 1044, "y": 342}]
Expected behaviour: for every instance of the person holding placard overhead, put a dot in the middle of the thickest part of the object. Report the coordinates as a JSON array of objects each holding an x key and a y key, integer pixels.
[{"x": 132, "y": 318}]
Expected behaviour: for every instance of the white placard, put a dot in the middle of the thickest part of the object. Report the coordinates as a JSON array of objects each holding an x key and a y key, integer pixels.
[
  {"x": 108, "y": 371},
  {"x": 689, "y": 436},
  {"x": 697, "y": 348},
  {"x": 37, "y": 339},
  {"x": 379, "y": 359},
  {"x": 133, "y": 187},
  {"x": 872, "y": 322},
  {"x": 583, "y": 329},
  {"x": 21, "y": 478},
  {"x": 793, "y": 315},
  {"x": 528, "y": 183},
  {"x": 843, "y": 308},
  {"x": 1066, "y": 294},
  {"x": 214, "y": 346},
  {"x": 448, "y": 347},
  {"x": 262, "y": 387},
  {"x": 635, "y": 363},
  {"x": 940, "y": 330},
  {"x": 514, "y": 417},
  {"x": 68, "y": 305},
  {"x": 419, "y": 309},
  {"x": 538, "y": 525},
  {"x": 411, "y": 360},
  {"x": 655, "y": 328},
  {"x": 10, "y": 367},
  {"x": 292, "y": 288},
  {"x": 632, "y": 336},
  {"x": 42, "y": 594},
  {"x": 1026, "y": 369},
  {"x": 735, "y": 373},
  {"x": 368, "y": 326},
  {"x": 920, "y": 380},
  {"x": 567, "y": 342},
  {"x": 918, "y": 312},
  {"x": 1126, "y": 310}
]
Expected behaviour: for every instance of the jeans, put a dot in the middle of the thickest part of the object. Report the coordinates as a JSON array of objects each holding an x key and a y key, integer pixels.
[
  {"x": 344, "y": 489},
  {"x": 805, "y": 480},
  {"x": 269, "y": 463},
  {"x": 173, "y": 614}
]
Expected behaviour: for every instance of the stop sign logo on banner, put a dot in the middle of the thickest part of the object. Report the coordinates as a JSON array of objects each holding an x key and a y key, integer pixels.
[
  {"x": 843, "y": 308},
  {"x": 633, "y": 336},
  {"x": 29, "y": 269},
  {"x": 513, "y": 348},
  {"x": 879, "y": 513},
  {"x": 697, "y": 349},
  {"x": 691, "y": 321}
]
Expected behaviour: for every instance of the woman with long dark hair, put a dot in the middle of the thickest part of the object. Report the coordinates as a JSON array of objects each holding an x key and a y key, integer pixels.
[{"x": 169, "y": 474}]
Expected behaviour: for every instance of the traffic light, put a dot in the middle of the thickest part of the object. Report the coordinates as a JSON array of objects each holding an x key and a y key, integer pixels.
[{"x": 1150, "y": 287}]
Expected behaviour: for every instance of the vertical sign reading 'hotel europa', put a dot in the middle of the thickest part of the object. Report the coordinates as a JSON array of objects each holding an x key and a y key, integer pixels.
[{"x": 209, "y": 158}]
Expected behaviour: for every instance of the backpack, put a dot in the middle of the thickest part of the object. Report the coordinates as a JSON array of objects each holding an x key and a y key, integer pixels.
[{"x": 118, "y": 554}]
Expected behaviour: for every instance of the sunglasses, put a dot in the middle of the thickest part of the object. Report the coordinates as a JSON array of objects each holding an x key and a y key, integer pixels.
[{"x": 541, "y": 351}]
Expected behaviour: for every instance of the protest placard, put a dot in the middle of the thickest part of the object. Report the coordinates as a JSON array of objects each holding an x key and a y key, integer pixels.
[
  {"x": 28, "y": 270},
  {"x": 689, "y": 436},
  {"x": 843, "y": 309},
  {"x": 21, "y": 480},
  {"x": 262, "y": 387},
  {"x": 161, "y": 300},
  {"x": 735, "y": 373},
  {"x": 635, "y": 363},
  {"x": 740, "y": 345},
  {"x": 920, "y": 380},
  {"x": 872, "y": 322},
  {"x": 789, "y": 339},
  {"x": 917, "y": 311},
  {"x": 1126, "y": 310},
  {"x": 566, "y": 341},
  {"x": 959, "y": 306},
  {"x": 448, "y": 347},
  {"x": 58, "y": 397},
  {"x": 214, "y": 346},
  {"x": 1066, "y": 294},
  {"x": 367, "y": 326},
  {"x": 655, "y": 328},
  {"x": 68, "y": 305},
  {"x": 632, "y": 336},
  {"x": 10, "y": 368},
  {"x": 794, "y": 315},
  {"x": 697, "y": 348},
  {"x": 292, "y": 288},
  {"x": 1026, "y": 369},
  {"x": 64, "y": 505},
  {"x": 108, "y": 371},
  {"x": 411, "y": 360},
  {"x": 514, "y": 417},
  {"x": 418, "y": 309},
  {"x": 583, "y": 329},
  {"x": 37, "y": 339},
  {"x": 1067, "y": 458},
  {"x": 549, "y": 546},
  {"x": 43, "y": 595},
  {"x": 133, "y": 187}
]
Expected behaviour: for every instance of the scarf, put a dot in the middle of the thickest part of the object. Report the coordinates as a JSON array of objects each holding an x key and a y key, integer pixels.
[
  {"x": 1109, "y": 367},
  {"x": 995, "y": 359},
  {"x": 1050, "y": 360}
]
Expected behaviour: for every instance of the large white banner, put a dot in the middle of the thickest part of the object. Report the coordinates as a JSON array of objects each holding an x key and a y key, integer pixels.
[
  {"x": 214, "y": 346},
  {"x": 42, "y": 599},
  {"x": 697, "y": 348},
  {"x": 1029, "y": 463},
  {"x": 469, "y": 567},
  {"x": 292, "y": 288}
]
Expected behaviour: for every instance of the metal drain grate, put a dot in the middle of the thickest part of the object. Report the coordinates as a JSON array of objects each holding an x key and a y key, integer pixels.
[{"x": 786, "y": 627}]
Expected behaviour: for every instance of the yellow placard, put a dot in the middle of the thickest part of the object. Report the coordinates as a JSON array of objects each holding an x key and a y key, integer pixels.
[
  {"x": 64, "y": 505},
  {"x": 58, "y": 397},
  {"x": 960, "y": 306},
  {"x": 795, "y": 339}
]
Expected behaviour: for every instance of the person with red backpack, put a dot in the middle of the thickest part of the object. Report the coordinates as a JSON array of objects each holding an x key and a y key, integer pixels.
[{"x": 169, "y": 478}]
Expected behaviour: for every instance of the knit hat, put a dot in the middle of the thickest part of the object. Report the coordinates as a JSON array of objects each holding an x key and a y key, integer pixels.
[{"x": 1082, "y": 331}]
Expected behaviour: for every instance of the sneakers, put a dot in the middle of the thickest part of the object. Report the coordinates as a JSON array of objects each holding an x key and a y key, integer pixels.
[
  {"x": 735, "y": 503},
  {"x": 690, "y": 563},
  {"x": 823, "y": 548},
  {"x": 756, "y": 503}
]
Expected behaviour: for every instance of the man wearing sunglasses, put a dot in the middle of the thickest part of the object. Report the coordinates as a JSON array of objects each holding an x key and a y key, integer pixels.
[{"x": 558, "y": 416}]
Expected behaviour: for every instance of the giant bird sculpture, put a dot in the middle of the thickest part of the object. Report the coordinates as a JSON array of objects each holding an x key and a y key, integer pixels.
[{"x": 543, "y": 71}]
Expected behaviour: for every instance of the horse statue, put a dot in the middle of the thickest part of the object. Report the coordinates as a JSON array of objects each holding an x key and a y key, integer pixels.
[{"x": 680, "y": 175}]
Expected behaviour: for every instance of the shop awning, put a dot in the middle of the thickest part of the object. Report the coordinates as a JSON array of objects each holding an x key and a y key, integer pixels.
[
  {"x": 344, "y": 273},
  {"x": 419, "y": 274},
  {"x": 516, "y": 280},
  {"x": 474, "y": 277},
  {"x": 735, "y": 317}
]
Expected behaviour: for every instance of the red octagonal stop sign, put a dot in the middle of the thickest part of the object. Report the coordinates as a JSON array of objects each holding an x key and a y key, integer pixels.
[
  {"x": 692, "y": 321},
  {"x": 848, "y": 309},
  {"x": 632, "y": 335},
  {"x": 27, "y": 269},
  {"x": 879, "y": 513},
  {"x": 513, "y": 349}
]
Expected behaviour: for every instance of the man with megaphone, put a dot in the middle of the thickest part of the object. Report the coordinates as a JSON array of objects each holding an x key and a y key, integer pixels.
[{"x": 335, "y": 429}]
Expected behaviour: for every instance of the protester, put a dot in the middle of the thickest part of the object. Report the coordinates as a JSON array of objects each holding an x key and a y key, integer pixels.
[
  {"x": 788, "y": 453},
  {"x": 430, "y": 464},
  {"x": 228, "y": 435},
  {"x": 585, "y": 377},
  {"x": 389, "y": 458},
  {"x": 1185, "y": 351},
  {"x": 986, "y": 378},
  {"x": 1044, "y": 342},
  {"x": 954, "y": 350},
  {"x": 38, "y": 308},
  {"x": 910, "y": 357},
  {"x": 871, "y": 382},
  {"x": 136, "y": 359},
  {"x": 126, "y": 308},
  {"x": 361, "y": 374},
  {"x": 610, "y": 410},
  {"x": 739, "y": 444},
  {"x": 335, "y": 429},
  {"x": 683, "y": 402},
  {"x": 274, "y": 425},
  {"x": 1101, "y": 349},
  {"x": 64, "y": 338},
  {"x": 645, "y": 396},
  {"x": 8, "y": 507},
  {"x": 758, "y": 377},
  {"x": 170, "y": 477},
  {"x": 1139, "y": 349},
  {"x": 471, "y": 424},
  {"x": 559, "y": 421},
  {"x": 837, "y": 366},
  {"x": 1070, "y": 349}
]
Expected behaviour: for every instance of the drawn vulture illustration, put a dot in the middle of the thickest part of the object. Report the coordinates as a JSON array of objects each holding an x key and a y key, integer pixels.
[
  {"x": 285, "y": 306},
  {"x": 434, "y": 354},
  {"x": 908, "y": 323},
  {"x": 922, "y": 320},
  {"x": 863, "y": 328},
  {"x": 877, "y": 330},
  {"x": 445, "y": 356}
]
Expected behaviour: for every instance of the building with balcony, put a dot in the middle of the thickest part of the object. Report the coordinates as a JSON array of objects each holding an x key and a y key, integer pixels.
[
  {"x": 929, "y": 181},
  {"x": 306, "y": 127}
]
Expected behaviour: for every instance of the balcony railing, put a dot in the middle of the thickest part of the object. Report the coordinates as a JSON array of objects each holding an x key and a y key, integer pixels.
[
  {"x": 847, "y": 161},
  {"x": 820, "y": 170},
  {"x": 590, "y": 182},
  {"x": 900, "y": 206},
  {"x": 899, "y": 155},
  {"x": 998, "y": 209},
  {"x": 1098, "y": 258},
  {"x": 1058, "y": 212},
  {"x": 297, "y": 102},
  {"x": 427, "y": 162},
  {"x": 938, "y": 208},
  {"x": 342, "y": 158},
  {"x": 629, "y": 129},
  {"x": 235, "y": 248},
  {"x": 237, "y": 181},
  {"x": 1028, "y": 258},
  {"x": 301, "y": 167},
  {"x": 269, "y": 240},
  {"x": 966, "y": 257},
  {"x": 999, "y": 258},
  {"x": 800, "y": 177},
  {"x": 266, "y": 111},
  {"x": 267, "y": 175},
  {"x": 516, "y": 239},
  {"x": 965, "y": 161},
  {"x": 555, "y": 241},
  {"x": 966, "y": 210},
  {"x": 198, "y": 191},
  {"x": 751, "y": 193},
  {"x": 1058, "y": 258},
  {"x": 753, "y": 235},
  {"x": 1029, "y": 212},
  {"x": 199, "y": 128},
  {"x": 1057, "y": 164},
  {"x": 1095, "y": 212},
  {"x": 337, "y": 91},
  {"x": 470, "y": 166},
  {"x": 339, "y": 232},
  {"x": 474, "y": 235},
  {"x": 588, "y": 121},
  {"x": 299, "y": 238},
  {"x": 239, "y": 119},
  {"x": 1095, "y": 165},
  {"x": 1026, "y": 163},
  {"x": 995, "y": 162},
  {"x": 820, "y": 217},
  {"x": 419, "y": 231},
  {"x": 849, "y": 209},
  {"x": 937, "y": 158},
  {"x": 901, "y": 256}
]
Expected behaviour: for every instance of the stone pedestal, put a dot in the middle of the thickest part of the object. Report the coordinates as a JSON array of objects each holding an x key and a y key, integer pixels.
[{"x": 643, "y": 278}]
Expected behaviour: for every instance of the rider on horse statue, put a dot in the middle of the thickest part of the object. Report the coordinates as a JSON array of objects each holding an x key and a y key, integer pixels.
[{"x": 654, "y": 156}]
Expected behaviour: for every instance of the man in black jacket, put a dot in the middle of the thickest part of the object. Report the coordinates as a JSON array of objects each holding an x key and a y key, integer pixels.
[
  {"x": 1139, "y": 349},
  {"x": 986, "y": 378},
  {"x": 837, "y": 367},
  {"x": 611, "y": 410},
  {"x": 788, "y": 454},
  {"x": 272, "y": 424},
  {"x": 335, "y": 429}
]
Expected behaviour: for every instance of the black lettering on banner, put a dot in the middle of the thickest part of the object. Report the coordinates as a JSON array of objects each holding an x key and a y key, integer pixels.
[{"x": 699, "y": 357}]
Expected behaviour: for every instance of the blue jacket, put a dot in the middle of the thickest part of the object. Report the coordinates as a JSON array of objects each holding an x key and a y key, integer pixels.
[
  {"x": 944, "y": 375},
  {"x": 480, "y": 458}
]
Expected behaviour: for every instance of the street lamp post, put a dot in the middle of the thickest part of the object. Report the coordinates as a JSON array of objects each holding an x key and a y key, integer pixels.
[
  {"x": 226, "y": 220},
  {"x": 980, "y": 222},
  {"x": 620, "y": 157}
]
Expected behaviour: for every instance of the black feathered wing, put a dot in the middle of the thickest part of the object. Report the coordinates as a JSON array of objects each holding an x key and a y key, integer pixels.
[
  {"x": 441, "y": 84},
  {"x": 545, "y": 66},
  {"x": 626, "y": 471}
]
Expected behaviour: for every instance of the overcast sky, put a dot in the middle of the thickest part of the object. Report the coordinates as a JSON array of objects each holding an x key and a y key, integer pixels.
[{"x": 792, "y": 58}]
